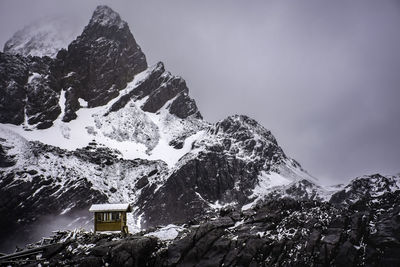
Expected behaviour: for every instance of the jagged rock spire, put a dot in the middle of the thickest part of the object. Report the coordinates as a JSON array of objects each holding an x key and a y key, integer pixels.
[
  {"x": 102, "y": 60},
  {"x": 105, "y": 16}
]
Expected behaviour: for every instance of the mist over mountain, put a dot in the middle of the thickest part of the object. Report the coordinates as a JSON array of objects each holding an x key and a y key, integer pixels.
[
  {"x": 92, "y": 122},
  {"x": 44, "y": 37}
]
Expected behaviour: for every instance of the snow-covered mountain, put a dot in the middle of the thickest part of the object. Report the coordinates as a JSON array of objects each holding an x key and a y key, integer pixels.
[
  {"x": 365, "y": 188},
  {"x": 98, "y": 117},
  {"x": 95, "y": 123}
]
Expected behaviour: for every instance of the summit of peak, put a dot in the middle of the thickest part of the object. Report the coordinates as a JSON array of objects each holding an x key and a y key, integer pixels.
[{"x": 106, "y": 16}]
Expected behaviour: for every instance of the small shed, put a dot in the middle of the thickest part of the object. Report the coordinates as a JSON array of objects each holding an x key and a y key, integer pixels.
[{"x": 110, "y": 217}]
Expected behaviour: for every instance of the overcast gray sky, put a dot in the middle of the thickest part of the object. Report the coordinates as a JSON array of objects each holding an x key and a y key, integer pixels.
[{"x": 323, "y": 76}]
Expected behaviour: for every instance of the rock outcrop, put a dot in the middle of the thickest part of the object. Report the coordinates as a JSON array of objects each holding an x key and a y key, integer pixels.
[
  {"x": 13, "y": 77},
  {"x": 366, "y": 187},
  {"x": 158, "y": 88},
  {"x": 224, "y": 169},
  {"x": 283, "y": 232},
  {"x": 100, "y": 62},
  {"x": 29, "y": 90}
]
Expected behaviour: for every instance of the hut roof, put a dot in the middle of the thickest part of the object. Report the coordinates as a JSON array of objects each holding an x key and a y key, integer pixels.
[{"x": 110, "y": 207}]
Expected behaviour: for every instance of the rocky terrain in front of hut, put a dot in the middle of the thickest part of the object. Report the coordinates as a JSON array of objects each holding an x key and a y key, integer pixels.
[{"x": 276, "y": 232}]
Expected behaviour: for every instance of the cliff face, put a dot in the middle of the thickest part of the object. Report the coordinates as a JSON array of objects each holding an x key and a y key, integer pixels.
[
  {"x": 100, "y": 61},
  {"x": 29, "y": 90}
]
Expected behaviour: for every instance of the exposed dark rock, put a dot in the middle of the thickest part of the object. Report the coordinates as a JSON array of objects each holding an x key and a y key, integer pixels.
[
  {"x": 5, "y": 160},
  {"x": 151, "y": 83},
  {"x": 71, "y": 104},
  {"x": 28, "y": 87},
  {"x": 160, "y": 87},
  {"x": 135, "y": 251},
  {"x": 153, "y": 172},
  {"x": 43, "y": 93},
  {"x": 142, "y": 182},
  {"x": 209, "y": 178},
  {"x": 177, "y": 143},
  {"x": 183, "y": 106},
  {"x": 100, "y": 61},
  {"x": 169, "y": 88},
  {"x": 14, "y": 74}
]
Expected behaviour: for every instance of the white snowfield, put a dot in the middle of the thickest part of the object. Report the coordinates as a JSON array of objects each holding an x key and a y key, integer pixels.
[
  {"x": 168, "y": 232},
  {"x": 130, "y": 130}
]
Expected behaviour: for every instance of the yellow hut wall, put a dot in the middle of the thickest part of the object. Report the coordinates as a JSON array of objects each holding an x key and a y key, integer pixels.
[{"x": 109, "y": 225}]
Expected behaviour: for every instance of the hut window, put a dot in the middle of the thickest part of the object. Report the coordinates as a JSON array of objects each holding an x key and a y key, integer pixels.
[
  {"x": 115, "y": 216},
  {"x": 108, "y": 216}
]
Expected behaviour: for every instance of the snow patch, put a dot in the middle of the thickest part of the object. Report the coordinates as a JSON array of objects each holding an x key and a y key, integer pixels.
[
  {"x": 82, "y": 103},
  {"x": 217, "y": 205},
  {"x": 109, "y": 207},
  {"x": 269, "y": 180},
  {"x": 168, "y": 232},
  {"x": 266, "y": 182}
]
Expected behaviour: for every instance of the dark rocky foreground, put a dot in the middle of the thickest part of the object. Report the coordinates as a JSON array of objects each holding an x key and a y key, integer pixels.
[{"x": 281, "y": 232}]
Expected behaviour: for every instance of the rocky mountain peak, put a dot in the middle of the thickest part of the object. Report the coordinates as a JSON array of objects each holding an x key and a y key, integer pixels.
[
  {"x": 105, "y": 22},
  {"x": 100, "y": 62},
  {"x": 105, "y": 16},
  {"x": 160, "y": 88},
  {"x": 239, "y": 124},
  {"x": 367, "y": 187},
  {"x": 95, "y": 67}
]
